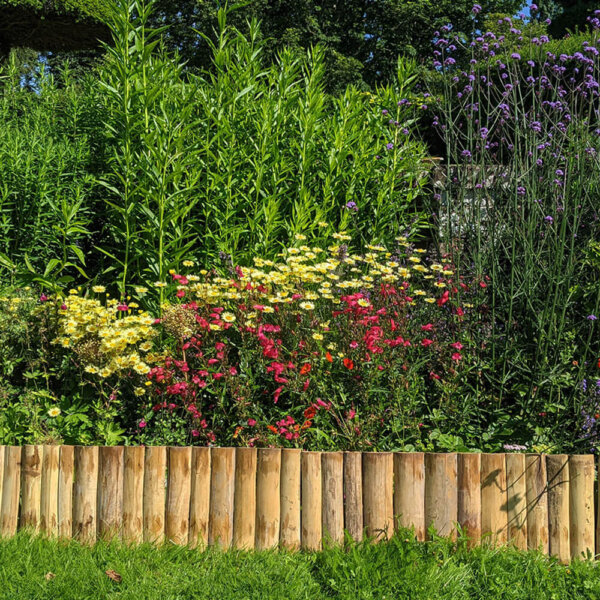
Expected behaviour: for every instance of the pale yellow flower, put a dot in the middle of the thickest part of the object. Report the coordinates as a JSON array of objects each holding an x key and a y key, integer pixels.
[{"x": 54, "y": 412}]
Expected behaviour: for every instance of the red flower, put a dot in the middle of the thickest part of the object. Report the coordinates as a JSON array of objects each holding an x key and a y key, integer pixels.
[
  {"x": 457, "y": 346},
  {"x": 277, "y": 393},
  {"x": 445, "y": 297},
  {"x": 310, "y": 412},
  {"x": 272, "y": 428},
  {"x": 251, "y": 422},
  {"x": 426, "y": 342},
  {"x": 427, "y": 327},
  {"x": 456, "y": 356},
  {"x": 349, "y": 363},
  {"x": 328, "y": 357},
  {"x": 305, "y": 369}
]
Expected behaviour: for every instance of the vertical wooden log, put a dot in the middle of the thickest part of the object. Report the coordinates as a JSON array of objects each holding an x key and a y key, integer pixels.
[
  {"x": 66, "y": 470},
  {"x": 110, "y": 491},
  {"x": 353, "y": 498},
  {"x": 179, "y": 488},
  {"x": 155, "y": 466},
  {"x": 289, "y": 534},
  {"x": 11, "y": 490},
  {"x": 598, "y": 513},
  {"x": 49, "y": 492},
  {"x": 85, "y": 494},
  {"x": 409, "y": 491},
  {"x": 557, "y": 466},
  {"x": 312, "y": 503},
  {"x": 469, "y": 496},
  {"x": 2, "y": 449},
  {"x": 222, "y": 489},
  {"x": 581, "y": 504},
  {"x": 200, "y": 499},
  {"x": 31, "y": 486},
  {"x": 133, "y": 494},
  {"x": 441, "y": 493},
  {"x": 537, "y": 503},
  {"x": 378, "y": 494},
  {"x": 516, "y": 500},
  {"x": 268, "y": 498},
  {"x": 332, "y": 472},
  {"x": 244, "y": 504},
  {"x": 494, "y": 513}
]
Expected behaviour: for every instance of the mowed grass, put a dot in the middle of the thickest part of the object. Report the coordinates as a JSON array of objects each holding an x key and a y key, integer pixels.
[{"x": 36, "y": 568}]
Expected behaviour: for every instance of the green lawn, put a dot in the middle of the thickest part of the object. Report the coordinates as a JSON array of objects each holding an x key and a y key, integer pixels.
[{"x": 400, "y": 569}]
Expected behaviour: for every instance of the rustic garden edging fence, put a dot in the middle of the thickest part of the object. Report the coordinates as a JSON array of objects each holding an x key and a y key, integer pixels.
[{"x": 262, "y": 498}]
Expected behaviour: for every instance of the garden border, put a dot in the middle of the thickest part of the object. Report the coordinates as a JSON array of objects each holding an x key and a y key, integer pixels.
[{"x": 264, "y": 498}]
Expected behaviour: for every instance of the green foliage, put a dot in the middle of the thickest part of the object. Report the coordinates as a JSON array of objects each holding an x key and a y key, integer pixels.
[
  {"x": 400, "y": 568},
  {"x": 138, "y": 168}
]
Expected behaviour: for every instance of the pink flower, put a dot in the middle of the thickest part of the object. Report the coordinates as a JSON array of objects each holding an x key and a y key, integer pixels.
[
  {"x": 180, "y": 293},
  {"x": 63, "y": 307},
  {"x": 44, "y": 298},
  {"x": 456, "y": 356},
  {"x": 142, "y": 424},
  {"x": 426, "y": 342},
  {"x": 457, "y": 346},
  {"x": 427, "y": 327},
  {"x": 195, "y": 433},
  {"x": 351, "y": 414},
  {"x": 251, "y": 422},
  {"x": 123, "y": 307}
]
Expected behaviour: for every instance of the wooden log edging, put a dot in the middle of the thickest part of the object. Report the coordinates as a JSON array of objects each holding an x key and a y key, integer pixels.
[{"x": 249, "y": 498}]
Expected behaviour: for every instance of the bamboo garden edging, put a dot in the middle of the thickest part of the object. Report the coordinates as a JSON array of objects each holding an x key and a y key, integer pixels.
[{"x": 263, "y": 498}]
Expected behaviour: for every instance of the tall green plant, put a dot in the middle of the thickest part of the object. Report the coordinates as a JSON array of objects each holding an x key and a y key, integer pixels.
[{"x": 521, "y": 205}]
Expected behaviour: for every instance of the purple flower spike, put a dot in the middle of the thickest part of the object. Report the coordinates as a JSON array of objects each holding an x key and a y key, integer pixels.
[
  {"x": 549, "y": 220},
  {"x": 592, "y": 318},
  {"x": 351, "y": 205},
  {"x": 476, "y": 9}
]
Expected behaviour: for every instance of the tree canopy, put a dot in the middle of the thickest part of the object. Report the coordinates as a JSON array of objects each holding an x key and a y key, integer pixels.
[
  {"x": 362, "y": 38},
  {"x": 52, "y": 24}
]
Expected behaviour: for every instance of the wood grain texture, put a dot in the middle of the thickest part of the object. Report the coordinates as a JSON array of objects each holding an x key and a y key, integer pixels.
[
  {"x": 2, "y": 449},
  {"x": 332, "y": 473},
  {"x": 312, "y": 501},
  {"x": 469, "y": 496},
  {"x": 291, "y": 481},
  {"x": 179, "y": 488},
  {"x": 85, "y": 494},
  {"x": 516, "y": 482},
  {"x": 244, "y": 505},
  {"x": 537, "y": 503},
  {"x": 378, "y": 494},
  {"x": 11, "y": 491},
  {"x": 268, "y": 498},
  {"x": 110, "y": 491},
  {"x": 353, "y": 497},
  {"x": 155, "y": 467},
  {"x": 222, "y": 489},
  {"x": 581, "y": 505},
  {"x": 133, "y": 494},
  {"x": 31, "y": 486},
  {"x": 200, "y": 498},
  {"x": 49, "y": 491},
  {"x": 494, "y": 506},
  {"x": 557, "y": 466},
  {"x": 441, "y": 493},
  {"x": 66, "y": 473},
  {"x": 409, "y": 491}
]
